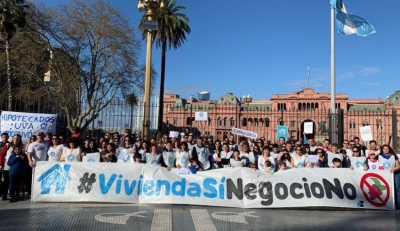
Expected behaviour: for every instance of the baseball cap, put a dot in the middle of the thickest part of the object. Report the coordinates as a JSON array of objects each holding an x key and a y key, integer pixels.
[{"x": 371, "y": 152}]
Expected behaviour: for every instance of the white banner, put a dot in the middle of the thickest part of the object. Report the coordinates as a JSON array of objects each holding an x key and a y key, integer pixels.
[
  {"x": 366, "y": 133},
  {"x": 200, "y": 116},
  {"x": 308, "y": 127},
  {"x": 245, "y": 133},
  {"x": 27, "y": 124},
  {"x": 237, "y": 187},
  {"x": 91, "y": 157}
]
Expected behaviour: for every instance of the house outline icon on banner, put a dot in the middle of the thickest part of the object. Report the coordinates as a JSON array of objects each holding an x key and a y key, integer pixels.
[{"x": 55, "y": 176}]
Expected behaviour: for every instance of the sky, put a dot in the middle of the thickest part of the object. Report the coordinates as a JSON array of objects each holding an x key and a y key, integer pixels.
[{"x": 264, "y": 47}]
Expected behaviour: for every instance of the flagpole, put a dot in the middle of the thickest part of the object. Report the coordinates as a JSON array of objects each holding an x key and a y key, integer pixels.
[{"x": 333, "y": 119}]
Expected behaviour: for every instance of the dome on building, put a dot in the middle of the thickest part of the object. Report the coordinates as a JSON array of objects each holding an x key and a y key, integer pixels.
[
  {"x": 229, "y": 98},
  {"x": 394, "y": 99}
]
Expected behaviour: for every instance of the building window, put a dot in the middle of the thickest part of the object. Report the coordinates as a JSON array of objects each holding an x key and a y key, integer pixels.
[
  {"x": 225, "y": 122},
  {"x": 244, "y": 122},
  {"x": 365, "y": 123},
  {"x": 255, "y": 124},
  {"x": 352, "y": 125},
  {"x": 188, "y": 121},
  {"x": 293, "y": 123},
  {"x": 232, "y": 122},
  {"x": 219, "y": 122},
  {"x": 175, "y": 121},
  {"x": 266, "y": 122},
  {"x": 209, "y": 121}
]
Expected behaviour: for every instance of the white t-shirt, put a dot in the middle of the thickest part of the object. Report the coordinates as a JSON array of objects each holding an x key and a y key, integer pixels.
[
  {"x": 54, "y": 154},
  {"x": 39, "y": 150},
  {"x": 261, "y": 162}
]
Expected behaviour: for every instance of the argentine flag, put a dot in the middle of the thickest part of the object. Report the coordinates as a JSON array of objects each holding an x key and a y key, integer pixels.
[{"x": 348, "y": 24}]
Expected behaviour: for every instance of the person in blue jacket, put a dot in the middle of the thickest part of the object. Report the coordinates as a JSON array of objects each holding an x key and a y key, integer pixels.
[{"x": 18, "y": 163}]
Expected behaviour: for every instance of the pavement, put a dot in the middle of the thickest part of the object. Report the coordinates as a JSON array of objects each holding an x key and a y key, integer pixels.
[{"x": 24, "y": 215}]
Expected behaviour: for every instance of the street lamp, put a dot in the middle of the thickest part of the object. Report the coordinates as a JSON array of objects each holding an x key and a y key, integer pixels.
[
  {"x": 247, "y": 100},
  {"x": 150, "y": 25},
  {"x": 379, "y": 125}
]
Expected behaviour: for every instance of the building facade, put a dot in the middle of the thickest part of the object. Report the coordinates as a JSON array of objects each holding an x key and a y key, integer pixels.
[{"x": 292, "y": 110}]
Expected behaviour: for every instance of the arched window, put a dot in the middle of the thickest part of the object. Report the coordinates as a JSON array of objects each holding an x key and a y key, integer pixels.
[
  {"x": 188, "y": 121},
  {"x": 255, "y": 124},
  {"x": 175, "y": 121},
  {"x": 219, "y": 122},
  {"x": 244, "y": 122},
  {"x": 365, "y": 123},
  {"x": 225, "y": 122},
  {"x": 232, "y": 122},
  {"x": 267, "y": 122},
  {"x": 209, "y": 121}
]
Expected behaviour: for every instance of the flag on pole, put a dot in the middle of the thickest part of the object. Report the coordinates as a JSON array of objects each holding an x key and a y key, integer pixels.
[{"x": 348, "y": 24}]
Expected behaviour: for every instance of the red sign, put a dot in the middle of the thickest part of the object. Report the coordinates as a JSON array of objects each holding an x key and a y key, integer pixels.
[{"x": 375, "y": 189}]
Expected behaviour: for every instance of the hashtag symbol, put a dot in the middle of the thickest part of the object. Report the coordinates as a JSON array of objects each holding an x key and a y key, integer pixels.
[{"x": 86, "y": 182}]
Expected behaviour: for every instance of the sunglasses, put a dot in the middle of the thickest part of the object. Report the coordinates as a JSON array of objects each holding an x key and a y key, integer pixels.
[
  {"x": 355, "y": 151},
  {"x": 320, "y": 152}
]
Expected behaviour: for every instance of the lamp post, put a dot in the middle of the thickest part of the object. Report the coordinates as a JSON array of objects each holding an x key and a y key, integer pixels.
[
  {"x": 150, "y": 6},
  {"x": 247, "y": 100},
  {"x": 379, "y": 125}
]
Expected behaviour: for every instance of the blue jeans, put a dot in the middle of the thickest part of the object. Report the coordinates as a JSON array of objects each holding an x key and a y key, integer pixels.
[{"x": 397, "y": 188}]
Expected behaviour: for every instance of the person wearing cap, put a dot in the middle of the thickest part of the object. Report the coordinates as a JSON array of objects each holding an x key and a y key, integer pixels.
[
  {"x": 371, "y": 162},
  {"x": 37, "y": 151}
]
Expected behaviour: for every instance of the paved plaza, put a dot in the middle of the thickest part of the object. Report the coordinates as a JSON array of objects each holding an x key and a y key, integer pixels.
[{"x": 25, "y": 215}]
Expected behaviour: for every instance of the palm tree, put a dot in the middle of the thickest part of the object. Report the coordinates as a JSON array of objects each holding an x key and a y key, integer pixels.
[
  {"x": 12, "y": 18},
  {"x": 172, "y": 29}
]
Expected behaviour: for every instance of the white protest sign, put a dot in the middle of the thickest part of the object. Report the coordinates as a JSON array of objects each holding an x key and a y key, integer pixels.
[
  {"x": 91, "y": 157},
  {"x": 332, "y": 156},
  {"x": 308, "y": 127},
  {"x": 366, "y": 133},
  {"x": 245, "y": 133},
  {"x": 27, "y": 124},
  {"x": 140, "y": 183},
  {"x": 173, "y": 134},
  {"x": 200, "y": 116}
]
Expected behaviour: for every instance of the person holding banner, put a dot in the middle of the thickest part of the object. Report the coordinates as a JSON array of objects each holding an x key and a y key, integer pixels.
[
  {"x": 167, "y": 159},
  {"x": 298, "y": 160},
  {"x": 248, "y": 156},
  {"x": 222, "y": 158},
  {"x": 72, "y": 152},
  {"x": 371, "y": 162},
  {"x": 236, "y": 161},
  {"x": 18, "y": 167},
  {"x": 264, "y": 157},
  {"x": 31, "y": 140},
  {"x": 109, "y": 155},
  {"x": 182, "y": 156},
  {"x": 55, "y": 151},
  {"x": 201, "y": 153},
  {"x": 152, "y": 158},
  {"x": 389, "y": 161},
  {"x": 322, "y": 158}
]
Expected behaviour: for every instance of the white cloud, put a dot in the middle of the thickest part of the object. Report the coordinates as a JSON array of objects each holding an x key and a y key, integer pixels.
[{"x": 365, "y": 71}]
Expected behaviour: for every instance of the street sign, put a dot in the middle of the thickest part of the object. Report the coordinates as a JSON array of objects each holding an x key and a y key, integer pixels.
[{"x": 150, "y": 25}]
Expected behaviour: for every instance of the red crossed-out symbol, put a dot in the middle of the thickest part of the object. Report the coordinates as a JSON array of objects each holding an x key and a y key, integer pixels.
[{"x": 366, "y": 186}]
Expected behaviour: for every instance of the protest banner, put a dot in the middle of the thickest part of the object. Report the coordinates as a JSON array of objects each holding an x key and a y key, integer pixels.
[
  {"x": 366, "y": 133},
  {"x": 308, "y": 127},
  {"x": 282, "y": 131},
  {"x": 27, "y": 124},
  {"x": 200, "y": 116},
  {"x": 245, "y": 133},
  {"x": 230, "y": 187}
]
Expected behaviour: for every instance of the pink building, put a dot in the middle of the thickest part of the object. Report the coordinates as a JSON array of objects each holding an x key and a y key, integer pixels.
[{"x": 292, "y": 110}]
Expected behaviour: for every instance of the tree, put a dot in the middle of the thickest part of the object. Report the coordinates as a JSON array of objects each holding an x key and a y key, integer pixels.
[
  {"x": 12, "y": 17},
  {"x": 94, "y": 57},
  {"x": 172, "y": 29}
]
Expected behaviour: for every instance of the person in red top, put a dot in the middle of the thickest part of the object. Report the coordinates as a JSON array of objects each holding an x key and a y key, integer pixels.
[{"x": 4, "y": 145}]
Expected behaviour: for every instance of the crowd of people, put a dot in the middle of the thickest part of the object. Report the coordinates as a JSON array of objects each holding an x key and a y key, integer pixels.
[{"x": 188, "y": 153}]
